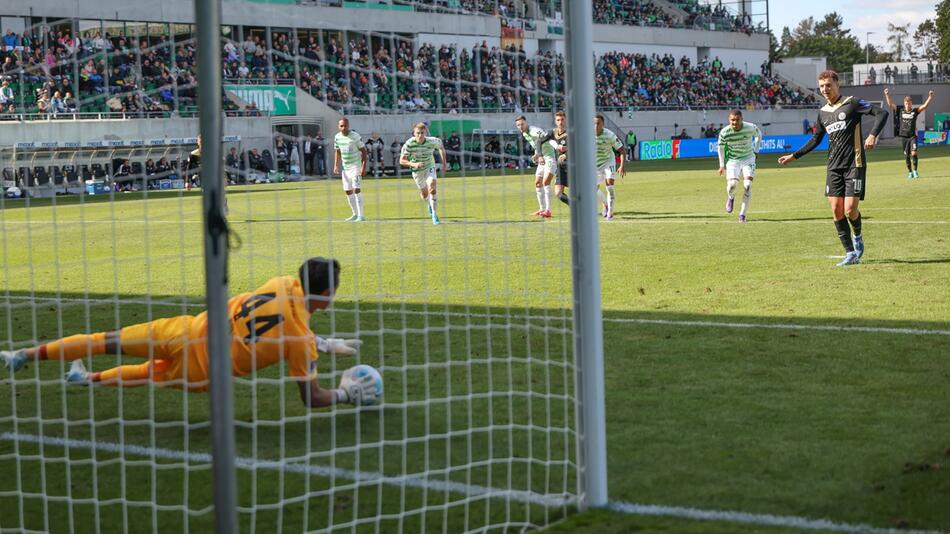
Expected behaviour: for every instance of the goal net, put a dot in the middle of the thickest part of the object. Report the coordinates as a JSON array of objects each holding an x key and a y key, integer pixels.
[{"x": 469, "y": 321}]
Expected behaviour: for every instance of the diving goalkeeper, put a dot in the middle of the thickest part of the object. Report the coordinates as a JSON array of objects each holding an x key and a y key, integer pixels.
[{"x": 267, "y": 326}]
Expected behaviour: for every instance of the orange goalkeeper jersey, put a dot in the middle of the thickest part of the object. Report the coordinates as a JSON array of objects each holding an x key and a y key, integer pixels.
[{"x": 268, "y": 325}]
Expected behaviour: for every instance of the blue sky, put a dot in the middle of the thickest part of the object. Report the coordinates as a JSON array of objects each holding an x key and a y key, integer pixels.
[{"x": 859, "y": 15}]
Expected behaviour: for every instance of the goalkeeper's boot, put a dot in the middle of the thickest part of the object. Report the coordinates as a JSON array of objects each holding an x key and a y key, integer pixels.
[
  {"x": 859, "y": 245},
  {"x": 916, "y": 174},
  {"x": 77, "y": 375},
  {"x": 729, "y": 203},
  {"x": 910, "y": 175},
  {"x": 850, "y": 258},
  {"x": 352, "y": 218},
  {"x": 13, "y": 359}
]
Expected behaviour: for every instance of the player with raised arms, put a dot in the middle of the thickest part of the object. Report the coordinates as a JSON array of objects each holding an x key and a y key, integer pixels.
[
  {"x": 348, "y": 148},
  {"x": 907, "y": 127},
  {"x": 845, "y": 182},
  {"x": 269, "y": 325},
  {"x": 738, "y": 149},
  {"x": 608, "y": 147},
  {"x": 418, "y": 154},
  {"x": 545, "y": 156}
]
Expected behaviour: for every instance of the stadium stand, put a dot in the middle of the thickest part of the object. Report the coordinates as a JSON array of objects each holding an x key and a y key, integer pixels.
[{"x": 54, "y": 73}]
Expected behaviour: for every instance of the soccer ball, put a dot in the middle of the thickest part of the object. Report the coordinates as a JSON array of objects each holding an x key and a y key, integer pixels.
[{"x": 366, "y": 377}]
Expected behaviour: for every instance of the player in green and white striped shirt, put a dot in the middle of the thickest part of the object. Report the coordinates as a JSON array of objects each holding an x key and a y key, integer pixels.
[
  {"x": 545, "y": 154},
  {"x": 738, "y": 147},
  {"x": 348, "y": 147},
  {"x": 418, "y": 154},
  {"x": 608, "y": 146}
]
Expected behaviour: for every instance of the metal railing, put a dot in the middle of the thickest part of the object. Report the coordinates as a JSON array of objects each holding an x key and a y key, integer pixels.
[{"x": 897, "y": 77}]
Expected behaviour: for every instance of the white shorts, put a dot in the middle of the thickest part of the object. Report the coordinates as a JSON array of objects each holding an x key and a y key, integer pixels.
[
  {"x": 548, "y": 167},
  {"x": 606, "y": 172},
  {"x": 743, "y": 168},
  {"x": 424, "y": 178},
  {"x": 351, "y": 178}
]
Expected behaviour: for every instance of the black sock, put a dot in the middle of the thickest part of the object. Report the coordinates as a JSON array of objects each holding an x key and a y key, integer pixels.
[
  {"x": 564, "y": 198},
  {"x": 907, "y": 161},
  {"x": 844, "y": 234},
  {"x": 914, "y": 160},
  {"x": 856, "y": 224}
]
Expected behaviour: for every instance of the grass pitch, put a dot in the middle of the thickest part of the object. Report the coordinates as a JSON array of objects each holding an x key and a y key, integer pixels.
[{"x": 736, "y": 379}]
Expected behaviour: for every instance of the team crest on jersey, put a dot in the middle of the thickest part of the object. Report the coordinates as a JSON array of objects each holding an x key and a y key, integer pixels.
[{"x": 841, "y": 116}]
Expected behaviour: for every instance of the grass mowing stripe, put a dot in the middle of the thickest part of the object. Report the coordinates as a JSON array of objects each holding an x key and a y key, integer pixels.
[
  {"x": 667, "y": 322},
  {"x": 457, "y": 487}
]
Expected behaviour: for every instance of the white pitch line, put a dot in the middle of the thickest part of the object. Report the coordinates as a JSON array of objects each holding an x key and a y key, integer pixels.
[{"x": 421, "y": 482}]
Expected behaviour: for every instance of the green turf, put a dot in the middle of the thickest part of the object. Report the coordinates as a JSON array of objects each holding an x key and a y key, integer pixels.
[{"x": 841, "y": 425}]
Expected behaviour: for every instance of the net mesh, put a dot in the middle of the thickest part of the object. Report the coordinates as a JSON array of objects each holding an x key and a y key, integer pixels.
[{"x": 467, "y": 321}]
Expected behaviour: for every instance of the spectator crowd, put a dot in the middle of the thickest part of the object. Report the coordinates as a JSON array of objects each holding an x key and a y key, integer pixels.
[{"x": 57, "y": 72}]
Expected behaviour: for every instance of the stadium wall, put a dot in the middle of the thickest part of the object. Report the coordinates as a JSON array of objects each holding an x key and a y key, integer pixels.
[
  {"x": 773, "y": 122},
  {"x": 254, "y": 131}
]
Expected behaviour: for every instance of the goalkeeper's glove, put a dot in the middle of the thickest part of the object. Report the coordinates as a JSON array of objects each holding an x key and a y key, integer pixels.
[
  {"x": 357, "y": 390},
  {"x": 346, "y": 347}
]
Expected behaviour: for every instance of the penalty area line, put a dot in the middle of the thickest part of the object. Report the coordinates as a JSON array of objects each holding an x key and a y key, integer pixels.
[{"x": 470, "y": 490}]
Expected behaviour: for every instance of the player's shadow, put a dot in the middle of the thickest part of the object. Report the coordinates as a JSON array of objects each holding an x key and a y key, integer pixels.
[
  {"x": 793, "y": 219},
  {"x": 634, "y": 216},
  {"x": 641, "y": 214}
]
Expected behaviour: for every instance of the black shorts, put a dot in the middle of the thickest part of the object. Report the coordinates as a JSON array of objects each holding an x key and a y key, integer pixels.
[
  {"x": 846, "y": 182},
  {"x": 909, "y": 144},
  {"x": 562, "y": 178}
]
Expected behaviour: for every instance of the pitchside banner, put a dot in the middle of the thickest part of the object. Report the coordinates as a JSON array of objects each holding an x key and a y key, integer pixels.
[
  {"x": 704, "y": 148},
  {"x": 272, "y": 99},
  {"x": 926, "y": 137}
]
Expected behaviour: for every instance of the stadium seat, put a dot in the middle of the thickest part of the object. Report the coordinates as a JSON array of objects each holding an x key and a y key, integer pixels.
[
  {"x": 58, "y": 177},
  {"x": 41, "y": 176},
  {"x": 24, "y": 176}
]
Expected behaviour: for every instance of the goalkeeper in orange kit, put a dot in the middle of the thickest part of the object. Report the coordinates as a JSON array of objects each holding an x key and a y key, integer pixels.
[{"x": 268, "y": 325}]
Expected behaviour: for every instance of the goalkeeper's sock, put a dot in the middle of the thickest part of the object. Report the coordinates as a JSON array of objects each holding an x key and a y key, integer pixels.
[
  {"x": 539, "y": 192},
  {"x": 74, "y": 347},
  {"x": 137, "y": 374},
  {"x": 908, "y": 163},
  {"x": 913, "y": 160}
]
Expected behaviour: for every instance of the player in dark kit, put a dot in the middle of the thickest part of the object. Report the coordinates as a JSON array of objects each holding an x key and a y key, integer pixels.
[
  {"x": 845, "y": 184},
  {"x": 907, "y": 128},
  {"x": 559, "y": 136}
]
